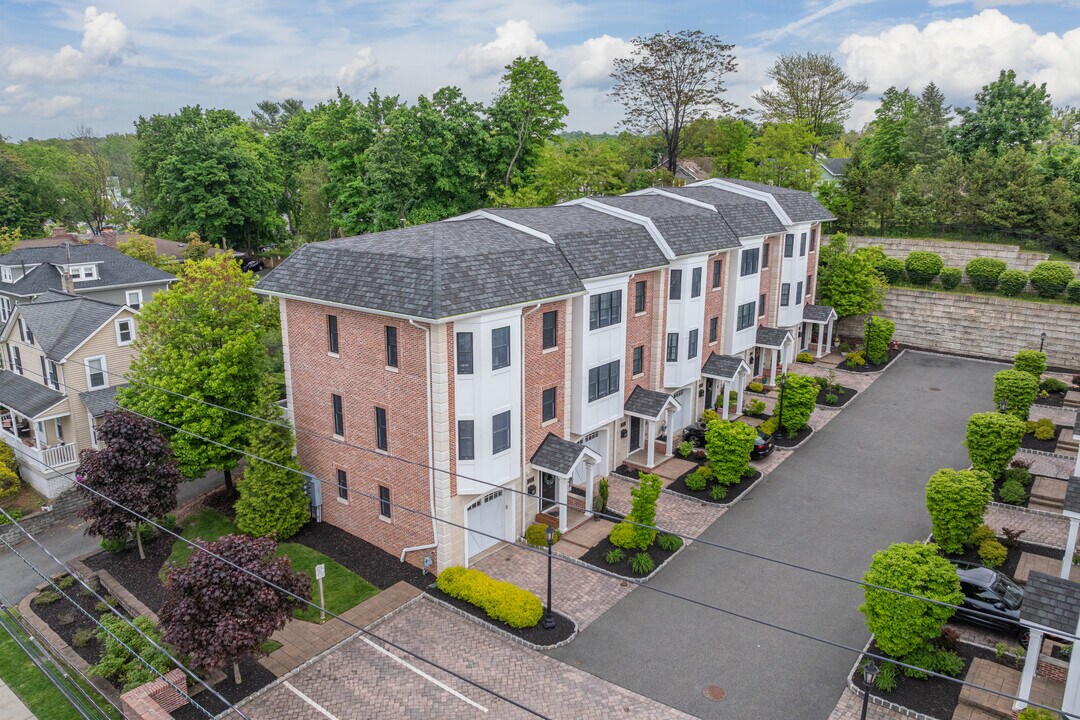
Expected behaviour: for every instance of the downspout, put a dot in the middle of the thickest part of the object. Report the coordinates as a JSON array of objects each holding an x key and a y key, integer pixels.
[
  {"x": 521, "y": 416},
  {"x": 431, "y": 446}
]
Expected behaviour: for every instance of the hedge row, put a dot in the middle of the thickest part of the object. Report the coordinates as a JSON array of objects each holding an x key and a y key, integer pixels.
[
  {"x": 500, "y": 600},
  {"x": 1049, "y": 279}
]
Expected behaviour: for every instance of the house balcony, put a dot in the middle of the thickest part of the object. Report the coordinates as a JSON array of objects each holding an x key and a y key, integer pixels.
[{"x": 50, "y": 459}]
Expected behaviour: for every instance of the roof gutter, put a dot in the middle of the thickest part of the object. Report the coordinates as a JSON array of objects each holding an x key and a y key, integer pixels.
[{"x": 431, "y": 446}]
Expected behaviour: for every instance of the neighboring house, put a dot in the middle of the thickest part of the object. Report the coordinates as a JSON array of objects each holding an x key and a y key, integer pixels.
[
  {"x": 64, "y": 356},
  {"x": 88, "y": 270},
  {"x": 832, "y": 169},
  {"x": 491, "y": 367},
  {"x": 110, "y": 238}
]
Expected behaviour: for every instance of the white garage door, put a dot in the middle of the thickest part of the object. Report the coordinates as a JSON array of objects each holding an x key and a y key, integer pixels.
[
  {"x": 487, "y": 516},
  {"x": 682, "y": 418}
]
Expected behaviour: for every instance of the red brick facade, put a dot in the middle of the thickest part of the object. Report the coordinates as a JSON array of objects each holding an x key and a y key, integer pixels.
[
  {"x": 544, "y": 369},
  {"x": 714, "y": 306},
  {"x": 360, "y": 376},
  {"x": 639, "y": 332},
  {"x": 769, "y": 282}
]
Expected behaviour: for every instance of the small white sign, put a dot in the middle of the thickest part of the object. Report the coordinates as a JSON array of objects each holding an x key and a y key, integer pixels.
[{"x": 320, "y": 571}]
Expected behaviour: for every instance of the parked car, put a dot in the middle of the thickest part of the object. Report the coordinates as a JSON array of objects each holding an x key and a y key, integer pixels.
[
  {"x": 991, "y": 599},
  {"x": 763, "y": 444},
  {"x": 250, "y": 264}
]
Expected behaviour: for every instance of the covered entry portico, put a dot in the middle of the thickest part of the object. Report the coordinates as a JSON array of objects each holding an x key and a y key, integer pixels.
[
  {"x": 820, "y": 318},
  {"x": 556, "y": 461},
  {"x": 779, "y": 343},
  {"x": 650, "y": 408},
  {"x": 728, "y": 372},
  {"x": 33, "y": 419}
]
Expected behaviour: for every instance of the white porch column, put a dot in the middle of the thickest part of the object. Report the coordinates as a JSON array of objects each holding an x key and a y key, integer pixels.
[
  {"x": 820, "y": 338},
  {"x": 588, "y": 487},
  {"x": 1070, "y": 547},
  {"x": 772, "y": 367},
  {"x": 670, "y": 434},
  {"x": 784, "y": 357},
  {"x": 651, "y": 451},
  {"x": 1031, "y": 663},
  {"x": 1071, "y": 701},
  {"x": 726, "y": 391},
  {"x": 828, "y": 343},
  {"x": 740, "y": 382},
  {"x": 563, "y": 486}
]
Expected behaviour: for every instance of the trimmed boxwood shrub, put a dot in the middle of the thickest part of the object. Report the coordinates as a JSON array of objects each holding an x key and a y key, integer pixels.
[
  {"x": 951, "y": 277},
  {"x": 984, "y": 273},
  {"x": 642, "y": 510},
  {"x": 878, "y": 336},
  {"x": 502, "y": 601},
  {"x": 893, "y": 269},
  {"x": 956, "y": 501},
  {"x": 769, "y": 426},
  {"x": 1072, "y": 291},
  {"x": 1032, "y": 362},
  {"x": 992, "y": 439},
  {"x": 805, "y": 357},
  {"x": 1053, "y": 385},
  {"x": 1012, "y": 492},
  {"x": 536, "y": 534},
  {"x": 728, "y": 446},
  {"x": 923, "y": 266},
  {"x": 1018, "y": 389},
  {"x": 800, "y": 396},
  {"x": 1051, "y": 277},
  {"x": 755, "y": 387},
  {"x": 1012, "y": 282},
  {"x": 992, "y": 553},
  {"x": 1045, "y": 429},
  {"x": 1019, "y": 474},
  {"x": 902, "y": 625},
  {"x": 980, "y": 535}
]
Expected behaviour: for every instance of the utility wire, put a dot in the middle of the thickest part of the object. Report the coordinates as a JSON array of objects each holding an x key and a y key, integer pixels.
[
  {"x": 606, "y": 516},
  {"x": 638, "y": 583}
]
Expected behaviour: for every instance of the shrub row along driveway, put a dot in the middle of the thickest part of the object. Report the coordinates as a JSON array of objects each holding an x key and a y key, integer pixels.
[{"x": 855, "y": 488}]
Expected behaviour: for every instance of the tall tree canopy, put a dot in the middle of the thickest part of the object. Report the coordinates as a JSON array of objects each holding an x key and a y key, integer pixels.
[
  {"x": 527, "y": 111},
  {"x": 782, "y": 156},
  {"x": 924, "y": 141},
  {"x": 1006, "y": 114},
  {"x": 885, "y": 141},
  {"x": 669, "y": 80},
  {"x": 848, "y": 279}
]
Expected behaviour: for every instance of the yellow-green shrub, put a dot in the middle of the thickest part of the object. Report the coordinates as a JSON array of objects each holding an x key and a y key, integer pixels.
[
  {"x": 502, "y": 601},
  {"x": 992, "y": 553},
  {"x": 9, "y": 481},
  {"x": 536, "y": 534}
]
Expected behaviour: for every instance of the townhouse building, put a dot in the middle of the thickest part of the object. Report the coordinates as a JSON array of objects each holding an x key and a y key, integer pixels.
[
  {"x": 64, "y": 357},
  {"x": 488, "y": 369}
]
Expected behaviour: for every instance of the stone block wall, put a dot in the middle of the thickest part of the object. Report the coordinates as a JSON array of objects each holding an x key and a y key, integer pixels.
[
  {"x": 955, "y": 253},
  {"x": 980, "y": 325},
  {"x": 63, "y": 507}
]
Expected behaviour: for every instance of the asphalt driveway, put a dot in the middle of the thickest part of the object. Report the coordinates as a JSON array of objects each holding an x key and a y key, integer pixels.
[{"x": 856, "y": 487}]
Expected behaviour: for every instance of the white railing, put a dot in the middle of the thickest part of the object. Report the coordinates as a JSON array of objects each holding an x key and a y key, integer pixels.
[{"x": 59, "y": 456}]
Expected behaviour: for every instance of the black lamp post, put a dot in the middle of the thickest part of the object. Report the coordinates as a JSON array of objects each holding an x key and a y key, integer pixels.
[
  {"x": 1042, "y": 340},
  {"x": 869, "y": 673},
  {"x": 1003, "y": 406},
  {"x": 780, "y": 412},
  {"x": 549, "y": 619},
  {"x": 866, "y": 338}
]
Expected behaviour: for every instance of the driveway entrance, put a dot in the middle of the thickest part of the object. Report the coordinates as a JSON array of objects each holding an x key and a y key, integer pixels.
[{"x": 856, "y": 487}]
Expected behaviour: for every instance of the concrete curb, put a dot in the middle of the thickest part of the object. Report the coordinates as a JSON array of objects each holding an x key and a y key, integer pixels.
[
  {"x": 874, "y": 699},
  {"x": 799, "y": 444},
  {"x": 498, "y": 630},
  {"x": 1032, "y": 511},
  {"x": 616, "y": 576}
]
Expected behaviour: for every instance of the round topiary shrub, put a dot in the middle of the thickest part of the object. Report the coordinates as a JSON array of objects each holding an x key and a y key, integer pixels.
[
  {"x": 893, "y": 270},
  {"x": 1051, "y": 277},
  {"x": 992, "y": 439},
  {"x": 923, "y": 266},
  {"x": 1032, "y": 362},
  {"x": 951, "y": 277},
  {"x": 992, "y": 553},
  {"x": 985, "y": 272},
  {"x": 1012, "y": 282},
  {"x": 956, "y": 501},
  {"x": 1017, "y": 389},
  {"x": 1012, "y": 492},
  {"x": 1072, "y": 291},
  {"x": 536, "y": 534}
]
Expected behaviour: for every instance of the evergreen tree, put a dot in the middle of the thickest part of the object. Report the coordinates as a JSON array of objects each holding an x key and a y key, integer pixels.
[{"x": 924, "y": 142}]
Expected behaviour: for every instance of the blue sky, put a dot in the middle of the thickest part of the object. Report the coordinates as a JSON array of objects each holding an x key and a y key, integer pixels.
[{"x": 64, "y": 64}]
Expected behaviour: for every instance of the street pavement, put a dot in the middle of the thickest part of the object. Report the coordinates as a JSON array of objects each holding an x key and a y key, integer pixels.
[
  {"x": 67, "y": 541},
  {"x": 854, "y": 488}
]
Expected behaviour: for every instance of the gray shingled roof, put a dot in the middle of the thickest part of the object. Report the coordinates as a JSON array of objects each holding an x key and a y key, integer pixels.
[
  {"x": 557, "y": 455},
  {"x": 25, "y": 396},
  {"x": 1072, "y": 495},
  {"x": 433, "y": 271},
  {"x": 61, "y": 322},
  {"x": 595, "y": 243},
  {"x": 114, "y": 268},
  {"x": 688, "y": 229},
  {"x": 725, "y": 367},
  {"x": 647, "y": 403},
  {"x": 836, "y": 166},
  {"x": 747, "y": 216},
  {"x": 99, "y": 402},
  {"x": 800, "y": 206},
  {"x": 1051, "y": 602},
  {"x": 771, "y": 337},
  {"x": 817, "y": 313}
]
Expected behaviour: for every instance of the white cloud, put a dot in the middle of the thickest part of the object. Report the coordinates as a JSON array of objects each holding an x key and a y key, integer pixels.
[
  {"x": 362, "y": 67},
  {"x": 963, "y": 54},
  {"x": 53, "y": 106},
  {"x": 105, "y": 41},
  {"x": 513, "y": 39},
  {"x": 590, "y": 63},
  {"x": 797, "y": 25}
]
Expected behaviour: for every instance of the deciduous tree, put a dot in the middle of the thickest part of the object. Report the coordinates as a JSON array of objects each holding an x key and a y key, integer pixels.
[
  {"x": 849, "y": 279},
  {"x": 1006, "y": 114},
  {"x": 527, "y": 111}
]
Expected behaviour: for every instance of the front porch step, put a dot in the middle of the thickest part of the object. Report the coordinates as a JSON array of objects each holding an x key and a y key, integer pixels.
[
  {"x": 1048, "y": 492},
  {"x": 1050, "y": 507},
  {"x": 996, "y": 677},
  {"x": 970, "y": 712},
  {"x": 1072, "y": 399}
]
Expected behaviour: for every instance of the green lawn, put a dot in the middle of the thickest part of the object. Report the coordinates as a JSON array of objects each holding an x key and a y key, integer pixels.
[
  {"x": 35, "y": 690},
  {"x": 344, "y": 589}
]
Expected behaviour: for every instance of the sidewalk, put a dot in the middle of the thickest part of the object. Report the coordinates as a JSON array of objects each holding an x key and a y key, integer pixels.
[{"x": 11, "y": 707}]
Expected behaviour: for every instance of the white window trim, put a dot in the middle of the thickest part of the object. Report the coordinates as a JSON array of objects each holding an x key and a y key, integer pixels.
[
  {"x": 93, "y": 429},
  {"x": 138, "y": 301},
  {"x": 5, "y": 308},
  {"x": 104, "y": 372},
  {"x": 5, "y": 274},
  {"x": 81, "y": 273},
  {"x": 131, "y": 331}
]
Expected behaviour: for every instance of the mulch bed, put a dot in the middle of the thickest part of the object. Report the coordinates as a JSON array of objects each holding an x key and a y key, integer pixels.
[
  {"x": 868, "y": 367},
  {"x": 375, "y": 565},
  {"x": 679, "y": 485},
  {"x": 537, "y": 635},
  {"x": 1054, "y": 400},
  {"x": 65, "y": 619},
  {"x": 786, "y": 441},
  {"x": 1012, "y": 560},
  {"x": 842, "y": 399},
  {"x": 997, "y": 493},
  {"x": 1030, "y": 442},
  {"x": 255, "y": 677},
  {"x": 933, "y": 696},
  {"x": 596, "y": 556},
  {"x": 139, "y": 577}
]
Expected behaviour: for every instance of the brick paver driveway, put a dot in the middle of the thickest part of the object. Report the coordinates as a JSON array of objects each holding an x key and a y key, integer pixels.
[
  {"x": 357, "y": 682},
  {"x": 856, "y": 487}
]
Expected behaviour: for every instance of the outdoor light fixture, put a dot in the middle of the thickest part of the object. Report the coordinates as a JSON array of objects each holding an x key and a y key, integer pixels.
[
  {"x": 1003, "y": 406},
  {"x": 549, "y": 619},
  {"x": 1042, "y": 340},
  {"x": 780, "y": 413},
  {"x": 869, "y": 673}
]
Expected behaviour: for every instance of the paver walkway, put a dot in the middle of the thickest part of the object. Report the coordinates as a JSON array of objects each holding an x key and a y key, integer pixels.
[
  {"x": 11, "y": 707},
  {"x": 301, "y": 640},
  {"x": 358, "y": 682},
  {"x": 1052, "y": 530},
  {"x": 849, "y": 707},
  {"x": 679, "y": 514}
]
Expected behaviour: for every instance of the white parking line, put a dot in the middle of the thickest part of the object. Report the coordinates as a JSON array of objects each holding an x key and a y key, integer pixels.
[
  {"x": 419, "y": 672},
  {"x": 309, "y": 701}
]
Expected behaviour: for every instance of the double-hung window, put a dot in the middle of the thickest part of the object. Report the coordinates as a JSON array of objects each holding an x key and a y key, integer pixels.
[
  {"x": 54, "y": 375},
  {"x": 798, "y": 292},
  {"x": 342, "y": 484},
  {"x": 384, "y": 502},
  {"x": 466, "y": 442},
  {"x": 331, "y": 334},
  {"x": 391, "y": 346},
  {"x": 802, "y": 245},
  {"x": 125, "y": 331},
  {"x": 745, "y": 317},
  {"x": 464, "y": 353},
  {"x": 380, "y": 429},
  {"x": 500, "y": 432},
  {"x": 551, "y": 321},
  {"x": 5, "y": 308},
  {"x": 692, "y": 342},
  {"x": 339, "y": 415},
  {"x": 749, "y": 261},
  {"x": 500, "y": 348},
  {"x": 96, "y": 372},
  {"x": 672, "y": 347},
  {"x": 714, "y": 326},
  {"x": 761, "y": 305},
  {"x": 639, "y": 296},
  {"x": 603, "y": 380},
  {"x": 765, "y": 256},
  {"x": 639, "y": 360},
  {"x": 717, "y": 272},
  {"x": 809, "y": 279},
  {"x": 134, "y": 299},
  {"x": 605, "y": 309},
  {"x": 675, "y": 291},
  {"x": 16, "y": 359},
  {"x": 813, "y": 239},
  {"x": 695, "y": 282},
  {"x": 547, "y": 405},
  {"x": 789, "y": 245},
  {"x": 785, "y": 294}
]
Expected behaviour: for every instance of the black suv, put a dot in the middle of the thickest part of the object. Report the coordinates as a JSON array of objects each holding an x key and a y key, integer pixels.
[
  {"x": 991, "y": 599},
  {"x": 763, "y": 444}
]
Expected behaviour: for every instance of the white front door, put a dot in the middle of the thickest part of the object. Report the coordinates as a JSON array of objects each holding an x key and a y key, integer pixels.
[{"x": 486, "y": 520}]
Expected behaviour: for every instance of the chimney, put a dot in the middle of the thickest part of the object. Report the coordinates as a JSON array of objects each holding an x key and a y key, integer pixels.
[
  {"x": 59, "y": 231},
  {"x": 69, "y": 284}
]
